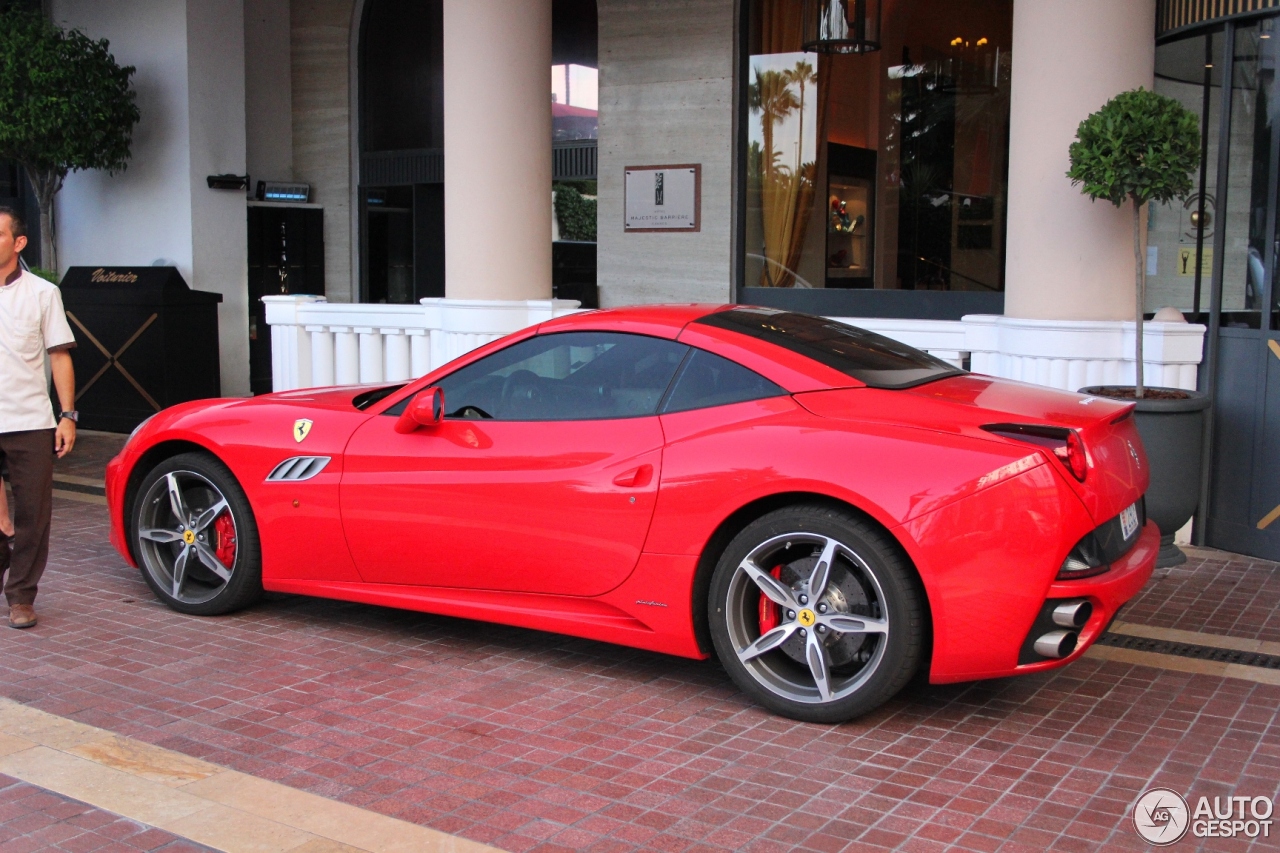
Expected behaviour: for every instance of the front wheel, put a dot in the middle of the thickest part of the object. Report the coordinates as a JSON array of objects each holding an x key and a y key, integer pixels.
[
  {"x": 195, "y": 538},
  {"x": 816, "y": 615}
]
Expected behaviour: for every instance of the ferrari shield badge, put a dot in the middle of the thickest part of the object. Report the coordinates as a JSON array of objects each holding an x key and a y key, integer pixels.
[{"x": 301, "y": 427}]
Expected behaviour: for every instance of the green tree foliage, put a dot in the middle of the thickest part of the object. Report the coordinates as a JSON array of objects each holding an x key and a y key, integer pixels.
[
  {"x": 66, "y": 106},
  {"x": 575, "y": 213},
  {"x": 1140, "y": 147}
]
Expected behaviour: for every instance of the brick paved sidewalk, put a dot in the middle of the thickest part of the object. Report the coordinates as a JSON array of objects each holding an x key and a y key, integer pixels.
[
  {"x": 33, "y": 819},
  {"x": 532, "y": 741}
]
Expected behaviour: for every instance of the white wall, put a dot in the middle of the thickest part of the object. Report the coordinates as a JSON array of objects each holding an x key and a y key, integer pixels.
[
  {"x": 189, "y": 56},
  {"x": 666, "y": 96},
  {"x": 143, "y": 214},
  {"x": 268, "y": 96}
]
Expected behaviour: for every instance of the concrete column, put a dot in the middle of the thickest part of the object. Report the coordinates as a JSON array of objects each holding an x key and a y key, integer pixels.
[
  {"x": 497, "y": 142},
  {"x": 1069, "y": 258},
  {"x": 667, "y": 70}
]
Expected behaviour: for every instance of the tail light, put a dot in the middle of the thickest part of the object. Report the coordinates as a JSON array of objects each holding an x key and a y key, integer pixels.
[
  {"x": 1084, "y": 561},
  {"x": 1066, "y": 444},
  {"x": 1073, "y": 456}
]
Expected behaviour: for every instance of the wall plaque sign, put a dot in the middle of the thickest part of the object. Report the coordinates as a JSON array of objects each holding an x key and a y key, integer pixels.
[{"x": 662, "y": 198}]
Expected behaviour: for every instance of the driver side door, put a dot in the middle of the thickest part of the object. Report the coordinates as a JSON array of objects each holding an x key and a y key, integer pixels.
[{"x": 542, "y": 478}]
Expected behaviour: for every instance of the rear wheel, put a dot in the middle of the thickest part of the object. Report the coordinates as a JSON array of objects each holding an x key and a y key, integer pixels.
[
  {"x": 816, "y": 614},
  {"x": 195, "y": 537}
]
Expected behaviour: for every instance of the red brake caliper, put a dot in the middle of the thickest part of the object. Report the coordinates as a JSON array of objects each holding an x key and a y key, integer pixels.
[
  {"x": 770, "y": 613},
  {"x": 226, "y": 531}
]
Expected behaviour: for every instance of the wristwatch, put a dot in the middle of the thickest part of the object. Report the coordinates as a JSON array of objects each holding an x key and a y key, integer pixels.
[{"x": 72, "y": 416}]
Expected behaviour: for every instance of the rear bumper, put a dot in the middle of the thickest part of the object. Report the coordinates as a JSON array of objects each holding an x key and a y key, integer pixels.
[{"x": 1108, "y": 592}]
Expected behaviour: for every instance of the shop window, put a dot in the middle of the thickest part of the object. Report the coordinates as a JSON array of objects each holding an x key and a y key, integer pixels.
[
  {"x": 575, "y": 104},
  {"x": 1181, "y": 235},
  {"x": 401, "y": 197},
  {"x": 885, "y": 170}
]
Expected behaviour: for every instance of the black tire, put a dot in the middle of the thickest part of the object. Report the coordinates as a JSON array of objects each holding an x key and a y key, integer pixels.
[
  {"x": 871, "y": 592},
  {"x": 204, "y": 482}
]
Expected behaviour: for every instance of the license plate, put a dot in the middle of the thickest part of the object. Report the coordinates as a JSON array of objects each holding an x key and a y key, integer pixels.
[{"x": 1129, "y": 521}]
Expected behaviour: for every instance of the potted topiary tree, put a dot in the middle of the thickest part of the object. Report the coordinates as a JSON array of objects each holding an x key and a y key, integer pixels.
[
  {"x": 66, "y": 105},
  {"x": 1142, "y": 147}
]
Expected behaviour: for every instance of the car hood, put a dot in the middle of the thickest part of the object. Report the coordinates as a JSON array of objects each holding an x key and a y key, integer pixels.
[
  {"x": 338, "y": 398},
  {"x": 962, "y": 405}
]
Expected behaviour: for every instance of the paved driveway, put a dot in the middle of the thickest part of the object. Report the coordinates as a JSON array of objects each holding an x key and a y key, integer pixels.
[{"x": 533, "y": 741}]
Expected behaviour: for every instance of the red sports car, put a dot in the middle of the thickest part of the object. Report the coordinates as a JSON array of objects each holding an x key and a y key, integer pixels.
[{"x": 824, "y": 509}]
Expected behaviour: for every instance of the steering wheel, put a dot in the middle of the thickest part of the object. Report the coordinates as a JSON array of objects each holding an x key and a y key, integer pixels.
[
  {"x": 470, "y": 413},
  {"x": 520, "y": 387}
]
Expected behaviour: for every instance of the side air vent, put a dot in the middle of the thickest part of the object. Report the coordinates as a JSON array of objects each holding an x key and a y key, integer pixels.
[{"x": 298, "y": 468}]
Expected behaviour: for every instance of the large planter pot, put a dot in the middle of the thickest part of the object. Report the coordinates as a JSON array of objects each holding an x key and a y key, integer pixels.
[{"x": 1172, "y": 433}]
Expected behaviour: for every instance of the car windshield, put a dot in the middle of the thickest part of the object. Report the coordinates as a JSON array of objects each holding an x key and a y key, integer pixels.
[
  {"x": 368, "y": 398},
  {"x": 870, "y": 358}
]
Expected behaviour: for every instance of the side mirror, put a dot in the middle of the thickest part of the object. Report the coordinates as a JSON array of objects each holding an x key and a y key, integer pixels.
[{"x": 424, "y": 410}]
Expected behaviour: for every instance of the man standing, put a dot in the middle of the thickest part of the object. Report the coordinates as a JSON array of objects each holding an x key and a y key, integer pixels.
[{"x": 32, "y": 323}]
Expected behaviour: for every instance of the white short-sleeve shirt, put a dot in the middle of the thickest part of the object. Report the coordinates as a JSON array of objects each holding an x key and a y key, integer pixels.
[{"x": 32, "y": 322}]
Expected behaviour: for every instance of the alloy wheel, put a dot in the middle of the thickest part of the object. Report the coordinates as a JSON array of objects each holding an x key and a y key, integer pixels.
[
  {"x": 187, "y": 536},
  {"x": 806, "y": 618}
]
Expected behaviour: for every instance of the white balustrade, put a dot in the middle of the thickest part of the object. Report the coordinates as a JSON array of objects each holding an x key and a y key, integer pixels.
[
  {"x": 315, "y": 342},
  {"x": 1071, "y": 354}
]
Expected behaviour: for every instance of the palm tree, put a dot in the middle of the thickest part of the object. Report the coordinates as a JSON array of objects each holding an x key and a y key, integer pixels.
[
  {"x": 771, "y": 96},
  {"x": 802, "y": 75}
]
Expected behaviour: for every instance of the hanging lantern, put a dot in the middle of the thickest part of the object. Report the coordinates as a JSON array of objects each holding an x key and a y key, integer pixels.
[{"x": 842, "y": 26}]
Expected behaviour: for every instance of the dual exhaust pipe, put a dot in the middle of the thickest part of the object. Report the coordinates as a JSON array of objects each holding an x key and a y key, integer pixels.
[{"x": 1070, "y": 617}]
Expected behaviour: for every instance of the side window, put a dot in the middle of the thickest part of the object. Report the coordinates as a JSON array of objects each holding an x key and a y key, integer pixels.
[
  {"x": 566, "y": 377},
  {"x": 709, "y": 380}
]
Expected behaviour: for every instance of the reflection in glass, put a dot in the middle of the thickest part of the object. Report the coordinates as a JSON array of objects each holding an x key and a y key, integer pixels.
[
  {"x": 1180, "y": 233},
  {"x": 883, "y": 170},
  {"x": 389, "y": 244},
  {"x": 1181, "y": 236},
  {"x": 575, "y": 102},
  {"x": 1250, "y": 176}
]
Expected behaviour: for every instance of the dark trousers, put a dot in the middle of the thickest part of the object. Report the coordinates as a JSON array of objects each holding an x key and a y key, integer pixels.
[{"x": 28, "y": 455}]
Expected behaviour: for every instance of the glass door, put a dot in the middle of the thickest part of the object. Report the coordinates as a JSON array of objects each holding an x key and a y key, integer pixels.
[{"x": 1237, "y": 243}]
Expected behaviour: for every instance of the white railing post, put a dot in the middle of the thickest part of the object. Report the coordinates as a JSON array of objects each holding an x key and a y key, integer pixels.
[
  {"x": 321, "y": 355},
  {"x": 370, "y": 355},
  {"x": 396, "y": 349},
  {"x": 346, "y": 356},
  {"x": 419, "y": 352},
  {"x": 290, "y": 346}
]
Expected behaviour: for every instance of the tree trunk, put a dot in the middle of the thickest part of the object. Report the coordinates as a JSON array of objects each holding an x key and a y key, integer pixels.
[
  {"x": 1140, "y": 288},
  {"x": 46, "y": 185},
  {"x": 47, "y": 250}
]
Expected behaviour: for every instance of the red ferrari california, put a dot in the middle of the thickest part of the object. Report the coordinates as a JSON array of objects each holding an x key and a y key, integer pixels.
[{"x": 824, "y": 509}]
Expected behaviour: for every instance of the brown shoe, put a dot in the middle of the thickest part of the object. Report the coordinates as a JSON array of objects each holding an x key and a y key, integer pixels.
[{"x": 22, "y": 616}]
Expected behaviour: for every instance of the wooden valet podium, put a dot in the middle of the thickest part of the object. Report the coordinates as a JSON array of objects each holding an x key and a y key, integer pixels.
[{"x": 145, "y": 341}]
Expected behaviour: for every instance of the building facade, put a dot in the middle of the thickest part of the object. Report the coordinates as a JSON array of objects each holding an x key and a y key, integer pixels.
[{"x": 702, "y": 150}]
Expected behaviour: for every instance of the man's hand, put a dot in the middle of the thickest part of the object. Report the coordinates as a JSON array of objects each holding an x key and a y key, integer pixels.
[
  {"x": 65, "y": 437},
  {"x": 64, "y": 383}
]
